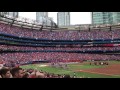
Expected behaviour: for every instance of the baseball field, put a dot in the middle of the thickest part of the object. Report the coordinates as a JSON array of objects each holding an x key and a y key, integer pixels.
[{"x": 82, "y": 70}]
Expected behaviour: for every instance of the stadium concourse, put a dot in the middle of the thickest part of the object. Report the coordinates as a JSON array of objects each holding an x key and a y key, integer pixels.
[{"x": 19, "y": 46}]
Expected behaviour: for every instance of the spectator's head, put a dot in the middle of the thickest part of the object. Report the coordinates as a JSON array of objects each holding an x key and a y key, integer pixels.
[
  {"x": 17, "y": 72},
  {"x": 67, "y": 76},
  {"x": 40, "y": 75},
  {"x": 26, "y": 75},
  {"x": 5, "y": 73},
  {"x": 47, "y": 75}
]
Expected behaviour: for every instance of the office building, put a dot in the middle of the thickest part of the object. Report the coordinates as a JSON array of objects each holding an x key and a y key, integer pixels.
[
  {"x": 63, "y": 18},
  {"x": 13, "y": 14},
  {"x": 41, "y": 17},
  {"x": 105, "y": 17}
]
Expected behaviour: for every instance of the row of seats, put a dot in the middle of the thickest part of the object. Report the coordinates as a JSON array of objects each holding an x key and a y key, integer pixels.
[{"x": 6, "y": 47}]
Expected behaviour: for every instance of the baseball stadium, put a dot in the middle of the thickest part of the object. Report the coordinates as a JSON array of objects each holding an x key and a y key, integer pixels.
[{"x": 29, "y": 49}]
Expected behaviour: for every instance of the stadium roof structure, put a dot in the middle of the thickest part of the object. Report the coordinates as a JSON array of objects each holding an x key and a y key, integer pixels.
[
  {"x": 32, "y": 24},
  {"x": 27, "y": 23}
]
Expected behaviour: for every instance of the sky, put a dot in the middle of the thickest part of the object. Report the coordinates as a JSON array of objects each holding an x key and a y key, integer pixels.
[{"x": 75, "y": 17}]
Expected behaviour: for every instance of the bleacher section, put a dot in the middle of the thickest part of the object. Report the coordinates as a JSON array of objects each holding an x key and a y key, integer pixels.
[{"x": 22, "y": 45}]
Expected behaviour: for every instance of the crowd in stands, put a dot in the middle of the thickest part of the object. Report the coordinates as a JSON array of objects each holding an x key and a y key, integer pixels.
[
  {"x": 59, "y": 35},
  {"x": 22, "y": 58},
  {"x": 6, "y": 47}
]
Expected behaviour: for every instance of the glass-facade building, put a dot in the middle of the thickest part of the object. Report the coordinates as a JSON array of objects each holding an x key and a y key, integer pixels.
[
  {"x": 116, "y": 17},
  {"x": 105, "y": 17},
  {"x": 13, "y": 14},
  {"x": 63, "y": 18},
  {"x": 40, "y": 16}
]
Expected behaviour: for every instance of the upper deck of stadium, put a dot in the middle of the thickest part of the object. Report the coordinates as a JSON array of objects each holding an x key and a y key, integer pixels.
[{"x": 31, "y": 29}]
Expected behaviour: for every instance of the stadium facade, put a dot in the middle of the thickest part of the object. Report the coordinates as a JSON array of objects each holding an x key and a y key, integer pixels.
[
  {"x": 63, "y": 18},
  {"x": 105, "y": 17}
]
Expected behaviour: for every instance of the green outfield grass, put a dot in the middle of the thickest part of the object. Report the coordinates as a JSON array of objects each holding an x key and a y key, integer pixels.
[{"x": 71, "y": 70}]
